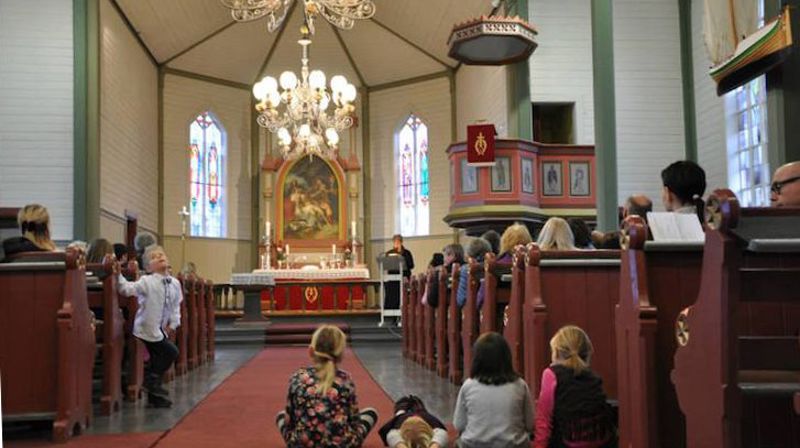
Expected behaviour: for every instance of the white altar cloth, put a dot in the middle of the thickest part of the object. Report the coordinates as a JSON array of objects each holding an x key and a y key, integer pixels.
[
  {"x": 314, "y": 274},
  {"x": 252, "y": 278}
]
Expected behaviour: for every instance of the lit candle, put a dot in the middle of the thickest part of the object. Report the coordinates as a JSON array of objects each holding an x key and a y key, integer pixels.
[
  {"x": 269, "y": 228},
  {"x": 287, "y": 250},
  {"x": 353, "y": 229}
]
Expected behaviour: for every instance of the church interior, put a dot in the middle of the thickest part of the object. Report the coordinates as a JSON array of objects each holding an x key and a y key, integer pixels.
[{"x": 473, "y": 223}]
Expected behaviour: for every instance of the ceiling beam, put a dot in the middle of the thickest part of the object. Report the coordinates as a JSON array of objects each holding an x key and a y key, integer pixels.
[
  {"x": 199, "y": 42},
  {"x": 404, "y": 39},
  {"x": 275, "y": 43},
  {"x": 135, "y": 33},
  {"x": 414, "y": 80},
  {"x": 206, "y": 78},
  {"x": 349, "y": 56}
]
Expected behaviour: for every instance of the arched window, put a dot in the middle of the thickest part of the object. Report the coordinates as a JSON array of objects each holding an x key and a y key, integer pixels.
[
  {"x": 207, "y": 176},
  {"x": 413, "y": 177}
]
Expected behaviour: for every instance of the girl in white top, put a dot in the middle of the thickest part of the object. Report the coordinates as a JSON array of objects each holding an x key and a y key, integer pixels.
[{"x": 494, "y": 406}]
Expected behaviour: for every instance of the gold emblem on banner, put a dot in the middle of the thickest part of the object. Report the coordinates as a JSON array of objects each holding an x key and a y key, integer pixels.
[
  {"x": 311, "y": 294},
  {"x": 480, "y": 144}
]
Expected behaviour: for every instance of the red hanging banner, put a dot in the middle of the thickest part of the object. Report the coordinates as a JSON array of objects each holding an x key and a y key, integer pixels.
[{"x": 480, "y": 144}]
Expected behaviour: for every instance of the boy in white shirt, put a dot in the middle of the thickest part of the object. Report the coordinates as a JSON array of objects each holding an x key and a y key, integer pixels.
[{"x": 159, "y": 314}]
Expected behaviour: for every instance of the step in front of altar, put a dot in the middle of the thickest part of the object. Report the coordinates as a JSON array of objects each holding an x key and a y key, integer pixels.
[{"x": 297, "y": 330}]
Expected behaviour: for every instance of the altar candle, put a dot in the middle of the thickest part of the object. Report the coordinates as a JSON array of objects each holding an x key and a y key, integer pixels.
[
  {"x": 269, "y": 227},
  {"x": 353, "y": 229},
  {"x": 287, "y": 250},
  {"x": 333, "y": 248}
]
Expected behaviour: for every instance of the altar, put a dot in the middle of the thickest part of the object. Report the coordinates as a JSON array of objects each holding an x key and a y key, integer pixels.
[{"x": 316, "y": 290}]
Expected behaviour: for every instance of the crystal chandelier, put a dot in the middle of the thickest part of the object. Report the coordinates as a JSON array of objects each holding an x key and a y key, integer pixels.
[
  {"x": 341, "y": 13},
  {"x": 304, "y": 125}
]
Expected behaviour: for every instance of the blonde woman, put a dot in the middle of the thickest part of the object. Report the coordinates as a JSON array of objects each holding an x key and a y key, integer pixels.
[
  {"x": 556, "y": 235},
  {"x": 322, "y": 408},
  {"x": 34, "y": 223},
  {"x": 578, "y": 415},
  {"x": 515, "y": 235}
]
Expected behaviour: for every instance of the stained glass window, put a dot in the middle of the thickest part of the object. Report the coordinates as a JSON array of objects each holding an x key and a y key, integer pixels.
[
  {"x": 748, "y": 168},
  {"x": 413, "y": 177},
  {"x": 207, "y": 177}
]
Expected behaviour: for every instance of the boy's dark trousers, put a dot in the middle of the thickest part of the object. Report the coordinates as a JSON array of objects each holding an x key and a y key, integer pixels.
[{"x": 162, "y": 354}]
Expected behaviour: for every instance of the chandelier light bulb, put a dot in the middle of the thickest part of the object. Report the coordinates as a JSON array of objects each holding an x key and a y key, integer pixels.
[
  {"x": 316, "y": 80},
  {"x": 349, "y": 93},
  {"x": 332, "y": 136},
  {"x": 260, "y": 91},
  {"x": 284, "y": 136},
  {"x": 270, "y": 84},
  {"x": 338, "y": 83},
  {"x": 324, "y": 102},
  {"x": 274, "y": 98},
  {"x": 305, "y": 130},
  {"x": 288, "y": 80}
]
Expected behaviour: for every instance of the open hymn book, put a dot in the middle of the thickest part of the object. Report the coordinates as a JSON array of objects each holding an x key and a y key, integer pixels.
[{"x": 674, "y": 227}]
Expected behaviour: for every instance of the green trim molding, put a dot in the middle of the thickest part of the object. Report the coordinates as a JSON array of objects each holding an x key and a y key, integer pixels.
[
  {"x": 80, "y": 98},
  {"x": 687, "y": 75},
  {"x": 605, "y": 120}
]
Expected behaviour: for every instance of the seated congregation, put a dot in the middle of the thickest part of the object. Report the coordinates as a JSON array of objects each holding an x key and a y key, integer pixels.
[{"x": 574, "y": 339}]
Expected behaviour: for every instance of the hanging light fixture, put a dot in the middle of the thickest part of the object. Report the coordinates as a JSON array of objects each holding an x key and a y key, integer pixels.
[
  {"x": 340, "y": 13},
  {"x": 296, "y": 108}
]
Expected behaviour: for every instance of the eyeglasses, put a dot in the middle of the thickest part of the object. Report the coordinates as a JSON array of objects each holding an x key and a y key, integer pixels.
[{"x": 777, "y": 186}]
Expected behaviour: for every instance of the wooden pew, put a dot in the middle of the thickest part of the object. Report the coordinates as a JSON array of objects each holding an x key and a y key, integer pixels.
[
  {"x": 737, "y": 364},
  {"x": 112, "y": 337},
  {"x": 47, "y": 344},
  {"x": 428, "y": 325},
  {"x": 513, "y": 312},
  {"x": 440, "y": 326},
  {"x": 211, "y": 323},
  {"x": 657, "y": 281},
  {"x": 202, "y": 322},
  {"x": 497, "y": 294},
  {"x": 187, "y": 346},
  {"x": 134, "y": 348},
  {"x": 570, "y": 288},
  {"x": 407, "y": 320},
  {"x": 410, "y": 326},
  {"x": 469, "y": 315},
  {"x": 454, "y": 367},
  {"x": 419, "y": 318}
]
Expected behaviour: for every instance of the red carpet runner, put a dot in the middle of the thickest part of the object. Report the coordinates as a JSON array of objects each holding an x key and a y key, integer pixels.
[{"x": 241, "y": 411}]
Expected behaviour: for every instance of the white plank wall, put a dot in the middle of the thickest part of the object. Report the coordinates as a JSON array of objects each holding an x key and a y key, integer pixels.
[
  {"x": 481, "y": 95},
  {"x": 128, "y": 128},
  {"x": 709, "y": 110},
  {"x": 36, "y": 108},
  {"x": 561, "y": 67},
  {"x": 649, "y": 98}
]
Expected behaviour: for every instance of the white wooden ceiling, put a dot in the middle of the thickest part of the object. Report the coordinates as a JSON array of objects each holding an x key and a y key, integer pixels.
[{"x": 405, "y": 39}]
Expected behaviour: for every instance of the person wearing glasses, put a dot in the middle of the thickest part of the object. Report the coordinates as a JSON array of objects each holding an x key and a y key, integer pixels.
[{"x": 785, "y": 188}]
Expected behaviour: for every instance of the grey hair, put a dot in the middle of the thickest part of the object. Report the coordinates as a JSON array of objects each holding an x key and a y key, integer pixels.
[
  {"x": 147, "y": 254},
  {"x": 478, "y": 247},
  {"x": 143, "y": 240}
]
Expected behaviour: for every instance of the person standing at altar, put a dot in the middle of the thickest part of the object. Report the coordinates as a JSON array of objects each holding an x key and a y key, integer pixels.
[{"x": 393, "y": 288}]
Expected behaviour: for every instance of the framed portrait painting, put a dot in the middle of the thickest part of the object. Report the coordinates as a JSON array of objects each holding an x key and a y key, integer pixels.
[
  {"x": 501, "y": 174},
  {"x": 551, "y": 179},
  {"x": 579, "y": 179},
  {"x": 469, "y": 178},
  {"x": 526, "y": 174}
]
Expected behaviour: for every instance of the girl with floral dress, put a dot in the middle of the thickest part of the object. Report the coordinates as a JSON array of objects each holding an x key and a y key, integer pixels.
[{"x": 322, "y": 410}]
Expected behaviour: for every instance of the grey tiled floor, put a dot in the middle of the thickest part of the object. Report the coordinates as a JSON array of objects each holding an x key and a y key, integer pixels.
[{"x": 396, "y": 375}]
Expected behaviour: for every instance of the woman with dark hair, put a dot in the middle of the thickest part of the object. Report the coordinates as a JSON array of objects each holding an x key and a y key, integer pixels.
[
  {"x": 494, "y": 405},
  {"x": 581, "y": 233},
  {"x": 684, "y": 184}
]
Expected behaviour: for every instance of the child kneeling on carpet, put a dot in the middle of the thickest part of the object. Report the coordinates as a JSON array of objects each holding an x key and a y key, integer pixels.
[
  {"x": 322, "y": 410},
  {"x": 159, "y": 296},
  {"x": 572, "y": 410},
  {"x": 413, "y": 426},
  {"x": 493, "y": 408}
]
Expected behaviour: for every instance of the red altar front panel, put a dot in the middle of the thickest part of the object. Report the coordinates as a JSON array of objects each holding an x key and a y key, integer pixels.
[{"x": 311, "y": 296}]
